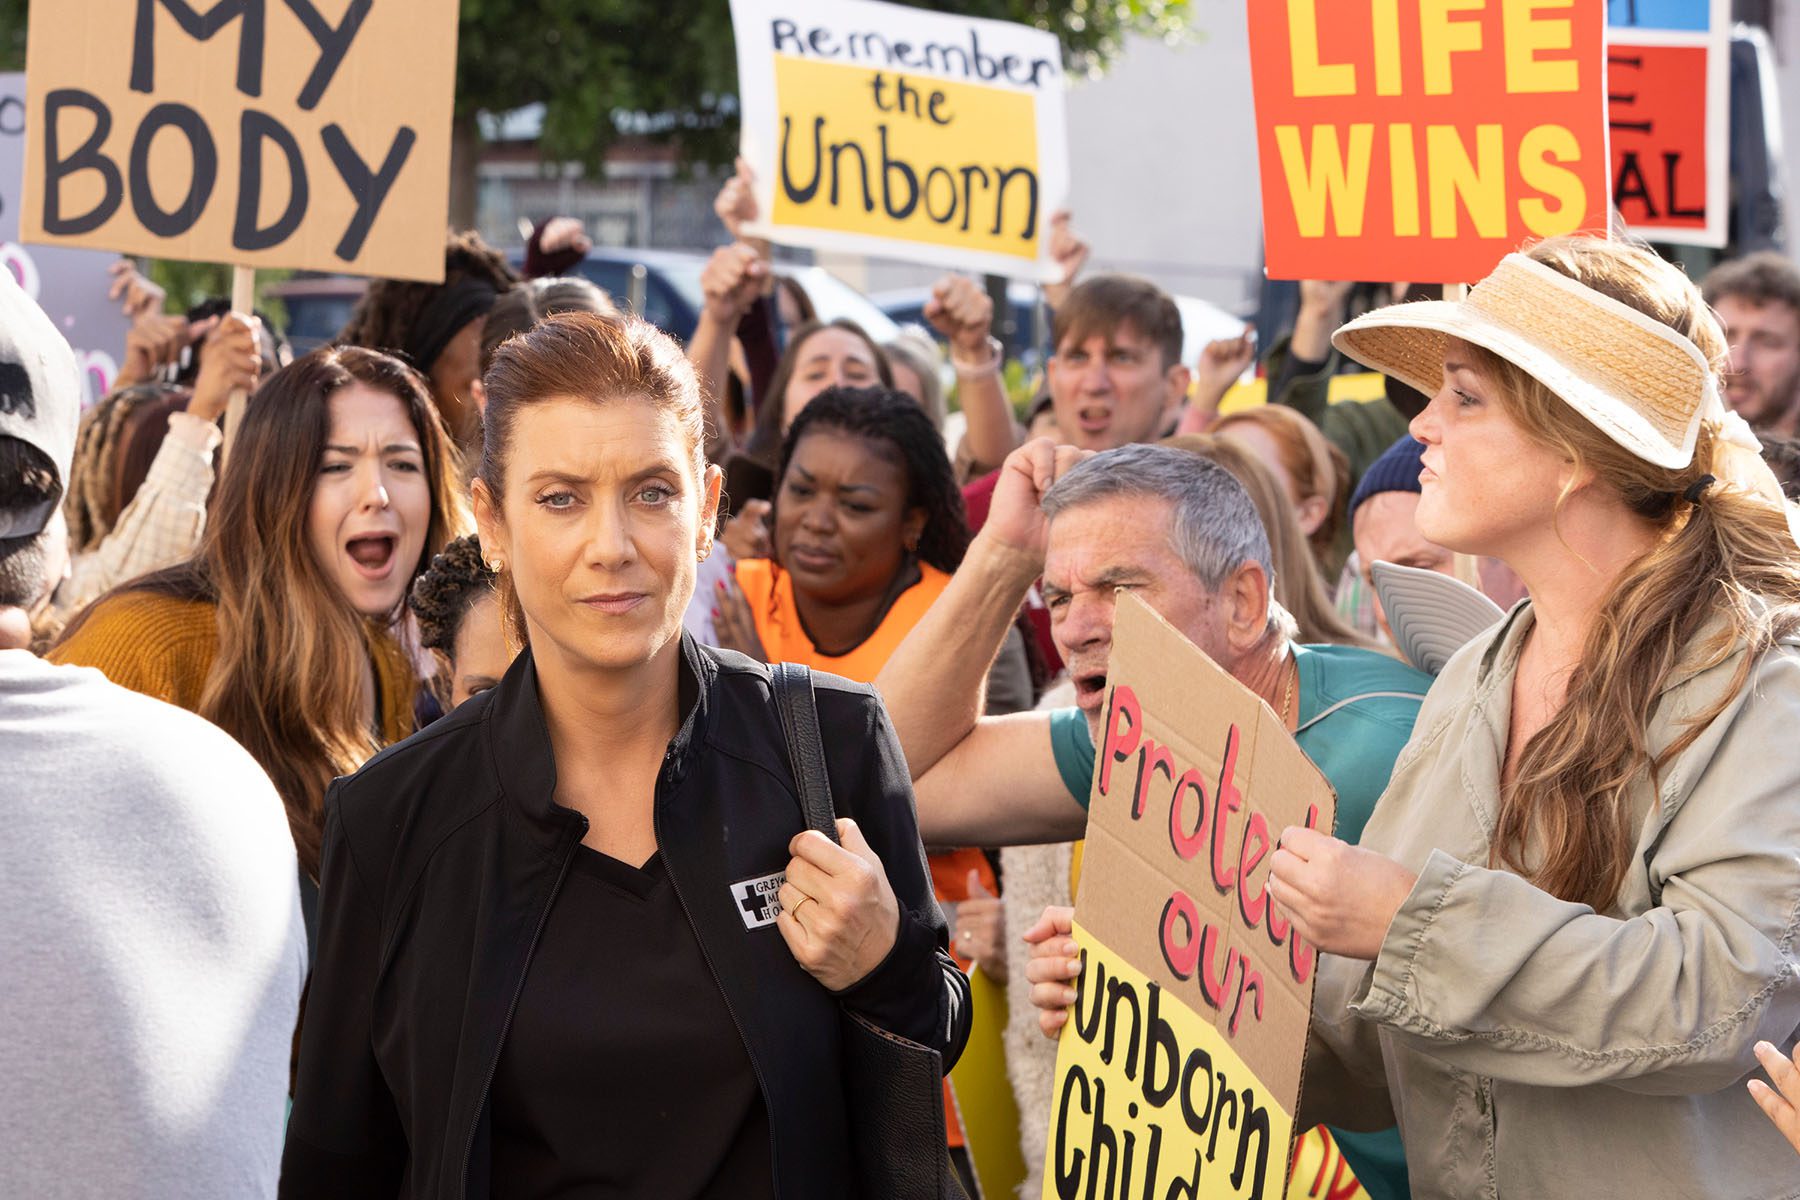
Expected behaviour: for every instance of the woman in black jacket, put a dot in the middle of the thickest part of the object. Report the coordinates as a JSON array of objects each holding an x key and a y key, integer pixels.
[{"x": 573, "y": 940}]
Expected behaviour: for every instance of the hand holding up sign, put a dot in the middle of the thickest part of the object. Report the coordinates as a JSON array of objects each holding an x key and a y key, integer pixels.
[
  {"x": 1054, "y": 965},
  {"x": 962, "y": 311},
  {"x": 230, "y": 361},
  {"x": 1340, "y": 897},
  {"x": 838, "y": 912}
]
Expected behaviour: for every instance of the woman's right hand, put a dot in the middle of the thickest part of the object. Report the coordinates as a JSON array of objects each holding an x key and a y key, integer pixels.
[
  {"x": 1055, "y": 964},
  {"x": 230, "y": 361},
  {"x": 838, "y": 913},
  {"x": 1778, "y": 1106}
]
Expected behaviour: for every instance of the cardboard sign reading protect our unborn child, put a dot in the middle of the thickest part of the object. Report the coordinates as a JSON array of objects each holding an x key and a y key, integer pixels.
[{"x": 1180, "y": 1067}]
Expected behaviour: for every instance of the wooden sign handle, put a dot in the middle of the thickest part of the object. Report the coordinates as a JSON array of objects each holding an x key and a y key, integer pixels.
[{"x": 243, "y": 300}]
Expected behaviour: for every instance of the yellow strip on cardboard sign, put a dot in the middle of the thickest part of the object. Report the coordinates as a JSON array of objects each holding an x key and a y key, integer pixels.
[{"x": 1152, "y": 1101}]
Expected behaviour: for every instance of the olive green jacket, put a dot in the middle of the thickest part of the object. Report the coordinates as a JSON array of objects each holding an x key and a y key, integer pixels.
[{"x": 1535, "y": 1048}]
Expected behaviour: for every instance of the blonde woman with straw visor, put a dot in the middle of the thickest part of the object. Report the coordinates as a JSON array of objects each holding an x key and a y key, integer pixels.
[{"x": 1573, "y": 915}]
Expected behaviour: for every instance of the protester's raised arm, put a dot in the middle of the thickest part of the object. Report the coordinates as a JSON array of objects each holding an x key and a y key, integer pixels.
[
  {"x": 932, "y": 682},
  {"x": 1070, "y": 253},
  {"x": 961, "y": 311},
  {"x": 733, "y": 278}
]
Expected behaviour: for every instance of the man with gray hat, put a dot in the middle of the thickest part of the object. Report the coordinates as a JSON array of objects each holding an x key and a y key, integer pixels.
[{"x": 152, "y": 948}]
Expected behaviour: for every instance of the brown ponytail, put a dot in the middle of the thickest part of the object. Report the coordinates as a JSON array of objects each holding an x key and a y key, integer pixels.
[{"x": 1568, "y": 822}]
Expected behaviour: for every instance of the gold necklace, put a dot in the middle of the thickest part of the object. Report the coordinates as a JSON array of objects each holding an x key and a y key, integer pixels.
[{"x": 1287, "y": 699}]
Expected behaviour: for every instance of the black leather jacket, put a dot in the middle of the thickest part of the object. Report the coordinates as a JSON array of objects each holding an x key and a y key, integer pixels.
[{"x": 442, "y": 857}]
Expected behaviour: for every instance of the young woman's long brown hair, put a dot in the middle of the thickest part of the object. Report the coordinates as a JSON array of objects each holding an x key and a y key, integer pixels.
[
  {"x": 1567, "y": 823},
  {"x": 1318, "y": 468},
  {"x": 287, "y": 681}
]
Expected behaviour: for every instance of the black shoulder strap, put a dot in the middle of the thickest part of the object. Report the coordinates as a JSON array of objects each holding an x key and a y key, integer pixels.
[{"x": 793, "y": 689}]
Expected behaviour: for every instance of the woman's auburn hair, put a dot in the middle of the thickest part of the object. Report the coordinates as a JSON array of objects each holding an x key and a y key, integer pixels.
[
  {"x": 287, "y": 680},
  {"x": 598, "y": 357},
  {"x": 1312, "y": 461},
  {"x": 1567, "y": 821}
]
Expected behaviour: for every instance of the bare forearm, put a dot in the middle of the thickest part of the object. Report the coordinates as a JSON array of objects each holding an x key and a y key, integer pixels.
[
  {"x": 932, "y": 682},
  {"x": 999, "y": 786},
  {"x": 709, "y": 350},
  {"x": 992, "y": 433},
  {"x": 1312, "y": 331}
]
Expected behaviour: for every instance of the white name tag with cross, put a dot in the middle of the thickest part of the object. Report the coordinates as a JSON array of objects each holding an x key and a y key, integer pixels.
[{"x": 757, "y": 900}]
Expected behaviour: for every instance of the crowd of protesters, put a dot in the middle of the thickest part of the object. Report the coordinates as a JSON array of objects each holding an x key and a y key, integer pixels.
[{"x": 440, "y": 830}]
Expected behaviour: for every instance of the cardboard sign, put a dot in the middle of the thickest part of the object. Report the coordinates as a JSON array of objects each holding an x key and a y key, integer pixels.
[
  {"x": 1668, "y": 88},
  {"x": 1423, "y": 140},
  {"x": 255, "y": 133},
  {"x": 1180, "y": 1067},
  {"x": 70, "y": 285},
  {"x": 883, "y": 130}
]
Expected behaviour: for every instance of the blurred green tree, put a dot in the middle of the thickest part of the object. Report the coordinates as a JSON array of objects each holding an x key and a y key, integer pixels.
[{"x": 666, "y": 69}]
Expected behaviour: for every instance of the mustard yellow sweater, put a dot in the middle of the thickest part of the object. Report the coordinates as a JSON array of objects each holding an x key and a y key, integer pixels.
[{"x": 164, "y": 646}]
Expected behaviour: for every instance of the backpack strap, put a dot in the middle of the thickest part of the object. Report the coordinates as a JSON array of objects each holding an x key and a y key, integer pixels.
[{"x": 798, "y": 708}]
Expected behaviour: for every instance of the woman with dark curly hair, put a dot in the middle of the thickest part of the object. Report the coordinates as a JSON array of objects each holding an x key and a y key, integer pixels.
[
  {"x": 868, "y": 526},
  {"x": 459, "y": 618},
  {"x": 437, "y": 326}
]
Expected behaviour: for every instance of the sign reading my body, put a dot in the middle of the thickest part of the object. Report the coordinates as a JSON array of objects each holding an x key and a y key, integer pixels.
[
  {"x": 1200, "y": 820},
  {"x": 368, "y": 184},
  {"x": 1332, "y": 171}
]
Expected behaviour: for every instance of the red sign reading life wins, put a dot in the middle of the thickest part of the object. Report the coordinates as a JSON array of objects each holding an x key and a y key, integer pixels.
[{"x": 1423, "y": 140}]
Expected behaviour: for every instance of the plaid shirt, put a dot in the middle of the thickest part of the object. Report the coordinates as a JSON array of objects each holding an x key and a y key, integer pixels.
[{"x": 159, "y": 528}]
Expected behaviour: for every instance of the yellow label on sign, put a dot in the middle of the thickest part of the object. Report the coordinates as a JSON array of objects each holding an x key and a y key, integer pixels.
[
  {"x": 1152, "y": 1101},
  {"x": 886, "y": 154}
]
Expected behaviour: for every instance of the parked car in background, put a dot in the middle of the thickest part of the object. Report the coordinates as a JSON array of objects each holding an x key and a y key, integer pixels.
[
  {"x": 662, "y": 286},
  {"x": 1024, "y": 339},
  {"x": 317, "y": 306},
  {"x": 1028, "y": 336}
]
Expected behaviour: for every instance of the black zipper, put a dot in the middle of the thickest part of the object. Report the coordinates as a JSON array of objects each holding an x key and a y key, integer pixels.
[
  {"x": 512, "y": 1007},
  {"x": 674, "y": 880}
]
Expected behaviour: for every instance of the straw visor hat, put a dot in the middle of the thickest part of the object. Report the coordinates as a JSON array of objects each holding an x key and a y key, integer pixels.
[{"x": 1638, "y": 381}]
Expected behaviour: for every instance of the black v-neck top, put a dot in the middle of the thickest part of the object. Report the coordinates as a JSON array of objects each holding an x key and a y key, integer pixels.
[{"x": 623, "y": 1074}]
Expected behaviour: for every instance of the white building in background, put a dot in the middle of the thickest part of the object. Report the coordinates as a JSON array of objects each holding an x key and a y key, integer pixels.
[
  {"x": 1162, "y": 151},
  {"x": 1162, "y": 160}
]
